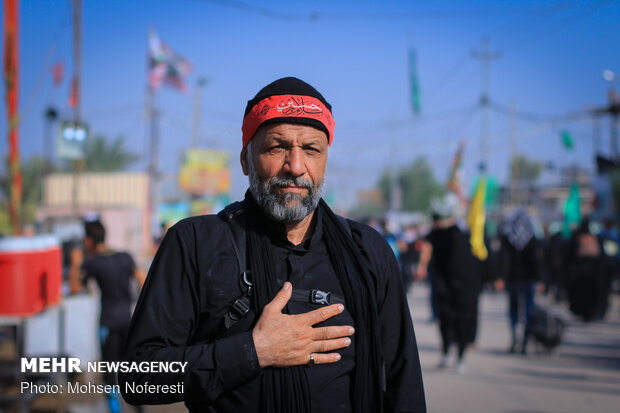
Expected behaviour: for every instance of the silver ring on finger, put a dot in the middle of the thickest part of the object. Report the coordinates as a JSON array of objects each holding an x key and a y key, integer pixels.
[{"x": 311, "y": 361}]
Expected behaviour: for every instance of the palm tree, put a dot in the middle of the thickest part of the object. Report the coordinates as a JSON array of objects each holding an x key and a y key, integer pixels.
[
  {"x": 101, "y": 157},
  {"x": 33, "y": 171}
]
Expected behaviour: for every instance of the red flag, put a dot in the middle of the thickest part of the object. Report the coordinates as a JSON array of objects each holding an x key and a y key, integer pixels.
[
  {"x": 58, "y": 72},
  {"x": 73, "y": 94},
  {"x": 453, "y": 181},
  {"x": 10, "y": 65},
  {"x": 165, "y": 65}
]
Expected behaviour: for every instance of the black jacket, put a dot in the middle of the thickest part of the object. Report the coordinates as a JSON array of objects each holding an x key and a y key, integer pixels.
[
  {"x": 523, "y": 265},
  {"x": 194, "y": 280}
]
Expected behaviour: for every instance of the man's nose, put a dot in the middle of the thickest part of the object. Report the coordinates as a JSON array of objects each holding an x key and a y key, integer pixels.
[{"x": 295, "y": 162}]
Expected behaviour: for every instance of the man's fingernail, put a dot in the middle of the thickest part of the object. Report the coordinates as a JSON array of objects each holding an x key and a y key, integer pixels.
[
  {"x": 347, "y": 341},
  {"x": 341, "y": 307},
  {"x": 351, "y": 330},
  {"x": 337, "y": 357},
  {"x": 287, "y": 285}
]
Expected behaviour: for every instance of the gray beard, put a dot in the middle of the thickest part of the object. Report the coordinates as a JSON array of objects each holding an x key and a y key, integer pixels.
[{"x": 277, "y": 205}]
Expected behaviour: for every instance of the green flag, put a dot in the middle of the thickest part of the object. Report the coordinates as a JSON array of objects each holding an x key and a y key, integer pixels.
[
  {"x": 567, "y": 140},
  {"x": 572, "y": 211},
  {"x": 491, "y": 197},
  {"x": 416, "y": 101}
]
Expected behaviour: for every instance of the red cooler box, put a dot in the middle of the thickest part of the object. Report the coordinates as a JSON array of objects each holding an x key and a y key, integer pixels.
[{"x": 30, "y": 274}]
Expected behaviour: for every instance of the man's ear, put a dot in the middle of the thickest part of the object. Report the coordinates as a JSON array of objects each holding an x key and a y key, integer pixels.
[{"x": 243, "y": 158}]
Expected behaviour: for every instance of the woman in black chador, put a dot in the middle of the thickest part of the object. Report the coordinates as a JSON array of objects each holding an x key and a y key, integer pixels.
[
  {"x": 589, "y": 273},
  {"x": 458, "y": 281}
]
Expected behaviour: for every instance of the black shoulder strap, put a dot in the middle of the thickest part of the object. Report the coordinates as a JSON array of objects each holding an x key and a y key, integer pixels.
[{"x": 233, "y": 215}]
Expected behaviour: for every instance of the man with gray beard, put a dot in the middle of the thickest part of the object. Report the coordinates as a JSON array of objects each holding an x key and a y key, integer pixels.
[
  {"x": 277, "y": 304},
  {"x": 265, "y": 194}
]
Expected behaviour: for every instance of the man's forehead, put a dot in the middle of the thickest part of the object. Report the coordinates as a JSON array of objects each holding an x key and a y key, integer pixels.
[{"x": 290, "y": 132}]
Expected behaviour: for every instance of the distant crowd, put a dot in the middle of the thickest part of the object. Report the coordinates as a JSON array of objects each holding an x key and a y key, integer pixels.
[{"x": 577, "y": 265}]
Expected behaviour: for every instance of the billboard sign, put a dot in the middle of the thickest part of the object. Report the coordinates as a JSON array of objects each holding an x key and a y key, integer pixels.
[
  {"x": 205, "y": 172},
  {"x": 71, "y": 140}
]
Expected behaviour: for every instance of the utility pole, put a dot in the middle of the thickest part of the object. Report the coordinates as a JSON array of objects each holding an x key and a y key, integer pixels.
[
  {"x": 75, "y": 99},
  {"x": 515, "y": 175},
  {"x": 77, "y": 59},
  {"x": 396, "y": 193},
  {"x": 596, "y": 134},
  {"x": 197, "y": 116},
  {"x": 153, "y": 170},
  {"x": 485, "y": 56},
  {"x": 50, "y": 115},
  {"x": 613, "y": 110}
]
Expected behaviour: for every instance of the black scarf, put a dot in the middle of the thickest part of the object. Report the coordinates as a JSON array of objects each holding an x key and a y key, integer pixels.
[{"x": 287, "y": 389}]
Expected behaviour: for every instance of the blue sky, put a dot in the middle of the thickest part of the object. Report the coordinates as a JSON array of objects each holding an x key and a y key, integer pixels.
[{"x": 553, "y": 54}]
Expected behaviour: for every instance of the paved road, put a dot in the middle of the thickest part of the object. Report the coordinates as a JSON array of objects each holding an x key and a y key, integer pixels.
[{"x": 583, "y": 375}]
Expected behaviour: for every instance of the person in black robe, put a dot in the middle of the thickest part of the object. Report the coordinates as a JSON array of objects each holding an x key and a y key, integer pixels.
[
  {"x": 458, "y": 281},
  {"x": 590, "y": 273}
]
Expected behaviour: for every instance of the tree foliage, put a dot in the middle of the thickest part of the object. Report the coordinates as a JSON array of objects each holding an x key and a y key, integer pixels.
[
  {"x": 33, "y": 171},
  {"x": 99, "y": 157},
  {"x": 417, "y": 185},
  {"x": 524, "y": 169},
  {"x": 103, "y": 157}
]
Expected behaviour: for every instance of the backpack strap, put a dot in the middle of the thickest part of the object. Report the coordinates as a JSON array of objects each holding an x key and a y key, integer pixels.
[{"x": 233, "y": 215}]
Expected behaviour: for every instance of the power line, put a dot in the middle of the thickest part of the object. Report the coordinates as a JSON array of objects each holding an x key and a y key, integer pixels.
[
  {"x": 450, "y": 113},
  {"x": 396, "y": 16},
  {"x": 119, "y": 110},
  {"x": 448, "y": 76},
  {"x": 43, "y": 70},
  {"x": 537, "y": 117},
  {"x": 263, "y": 11},
  {"x": 448, "y": 14},
  {"x": 465, "y": 111}
]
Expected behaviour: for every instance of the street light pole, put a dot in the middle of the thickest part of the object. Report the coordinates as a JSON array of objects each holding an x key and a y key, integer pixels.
[
  {"x": 485, "y": 56},
  {"x": 613, "y": 110}
]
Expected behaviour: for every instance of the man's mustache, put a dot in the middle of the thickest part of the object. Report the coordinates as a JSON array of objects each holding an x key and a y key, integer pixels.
[{"x": 290, "y": 180}]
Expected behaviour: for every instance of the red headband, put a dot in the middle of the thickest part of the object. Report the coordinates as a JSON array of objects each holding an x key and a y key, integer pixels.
[{"x": 283, "y": 107}]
